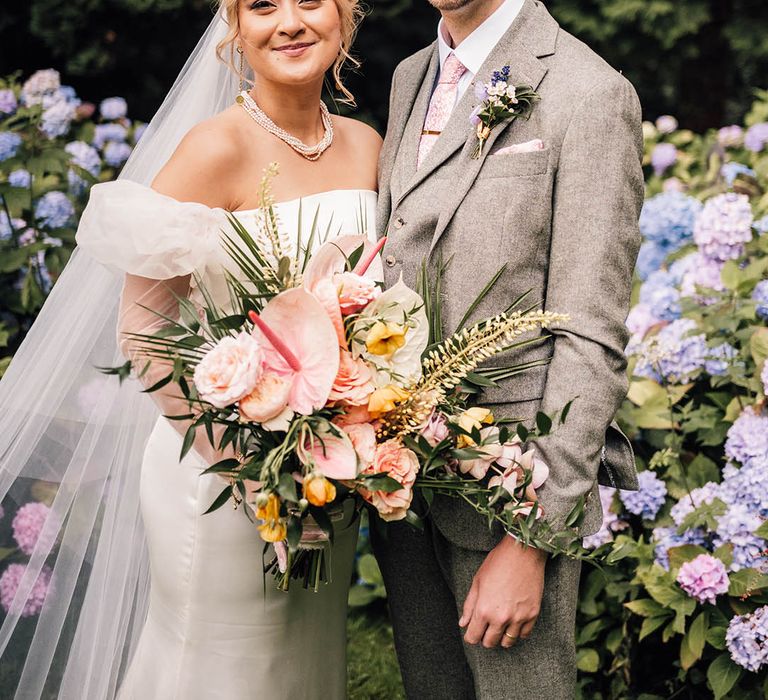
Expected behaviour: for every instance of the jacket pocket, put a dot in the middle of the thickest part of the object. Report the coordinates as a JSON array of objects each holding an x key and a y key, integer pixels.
[{"x": 515, "y": 164}]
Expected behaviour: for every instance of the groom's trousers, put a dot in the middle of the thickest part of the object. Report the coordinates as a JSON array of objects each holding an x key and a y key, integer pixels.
[{"x": 427, "y": 579}]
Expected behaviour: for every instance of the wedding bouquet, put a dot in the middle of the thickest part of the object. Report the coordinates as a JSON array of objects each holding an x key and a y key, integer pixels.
[{"x": 323, "y": 386}]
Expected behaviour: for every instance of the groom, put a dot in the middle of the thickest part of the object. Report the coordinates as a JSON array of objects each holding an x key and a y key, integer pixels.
[{"x": 556, "y": 198}]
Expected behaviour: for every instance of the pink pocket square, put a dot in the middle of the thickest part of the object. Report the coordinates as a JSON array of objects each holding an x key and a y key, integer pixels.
[{"x": 525, "y": 147}]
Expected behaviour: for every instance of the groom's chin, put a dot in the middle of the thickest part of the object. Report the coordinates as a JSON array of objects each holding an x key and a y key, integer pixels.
[{"x": 451, "y": 5}]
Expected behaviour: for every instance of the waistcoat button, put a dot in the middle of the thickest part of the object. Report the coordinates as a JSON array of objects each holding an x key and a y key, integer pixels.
[{"x": 390, "y": 260}]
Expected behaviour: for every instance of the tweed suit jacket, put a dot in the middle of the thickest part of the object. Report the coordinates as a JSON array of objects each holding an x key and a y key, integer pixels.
[{"x": 564, "y": 220}]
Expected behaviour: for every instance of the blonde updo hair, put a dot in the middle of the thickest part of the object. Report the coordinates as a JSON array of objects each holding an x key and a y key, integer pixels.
[{"x": 350, "y": 15}]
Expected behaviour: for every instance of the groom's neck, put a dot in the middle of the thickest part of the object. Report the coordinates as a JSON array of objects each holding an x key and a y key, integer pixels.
[{"x": 459, "y": 23}]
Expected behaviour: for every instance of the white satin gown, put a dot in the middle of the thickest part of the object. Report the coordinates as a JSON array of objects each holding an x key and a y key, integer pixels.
[{"x": 215, "y": 627}]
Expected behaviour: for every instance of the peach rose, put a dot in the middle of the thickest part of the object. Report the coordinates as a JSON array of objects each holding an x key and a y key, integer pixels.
[
  {"x": 267, "y": 400},
  {"x": 230, "y": 370},
  {"x": 402, "y": 465},
  {"x": 353, "y": 414},
  {"x": 355, "y": 292},
  {"x": 363, "y": 439},
  {"x": 353, "y": 384}
]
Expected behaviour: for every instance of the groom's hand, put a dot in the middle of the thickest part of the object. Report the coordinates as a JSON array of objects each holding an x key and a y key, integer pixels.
[{"x": 505, "y": 597}]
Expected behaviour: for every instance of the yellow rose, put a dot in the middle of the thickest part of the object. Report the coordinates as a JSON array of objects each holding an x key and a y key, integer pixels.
[
  {"x": 385, "y": 338},
  {"x": 385, "y": 399},
  {"x": 318, "y": 490},
  {"x": 472, "y": 418},
  {"x": 273, "y": 531}
]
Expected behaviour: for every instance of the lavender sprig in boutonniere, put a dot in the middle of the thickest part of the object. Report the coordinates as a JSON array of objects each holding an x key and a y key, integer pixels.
[{"x": 500, "y": 101}]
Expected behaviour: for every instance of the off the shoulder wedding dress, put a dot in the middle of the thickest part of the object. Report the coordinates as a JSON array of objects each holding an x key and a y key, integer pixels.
[{"x": 216, "y": 628}]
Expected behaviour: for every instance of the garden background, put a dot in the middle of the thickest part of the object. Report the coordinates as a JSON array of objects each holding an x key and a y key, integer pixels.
[{"x": 682, "y": 609}]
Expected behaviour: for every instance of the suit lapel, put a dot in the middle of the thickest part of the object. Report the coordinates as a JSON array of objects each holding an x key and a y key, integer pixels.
[{"x": 531, "y": 36}]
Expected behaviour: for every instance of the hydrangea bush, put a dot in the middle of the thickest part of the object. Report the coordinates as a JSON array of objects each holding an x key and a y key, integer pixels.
[
  {"x": 683, "y": 609},
  {"x": 53, "y": 147}
]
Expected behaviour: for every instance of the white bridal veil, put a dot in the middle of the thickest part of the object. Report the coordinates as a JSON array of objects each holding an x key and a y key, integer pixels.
[{"x": 72, "y": 434}]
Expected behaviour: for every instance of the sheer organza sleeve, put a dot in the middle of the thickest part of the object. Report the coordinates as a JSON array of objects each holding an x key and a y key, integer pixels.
[{"x": 158, "y": 242}]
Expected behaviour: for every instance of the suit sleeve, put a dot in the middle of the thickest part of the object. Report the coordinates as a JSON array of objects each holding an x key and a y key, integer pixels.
[{"x": 595, "y": 239}]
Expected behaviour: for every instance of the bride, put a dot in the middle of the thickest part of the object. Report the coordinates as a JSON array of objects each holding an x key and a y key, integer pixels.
[{"x": 149, "y": 598}]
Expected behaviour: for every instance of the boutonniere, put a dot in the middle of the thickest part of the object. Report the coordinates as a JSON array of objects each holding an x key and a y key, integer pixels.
[{"x": 499, "y": 101}]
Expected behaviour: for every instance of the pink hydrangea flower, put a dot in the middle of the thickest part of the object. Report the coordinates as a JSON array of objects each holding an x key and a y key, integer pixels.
[
  {"x": 28, "y": 524},
  {"x": 9, "y": 584},
  {"x": 704, "y": 578}
]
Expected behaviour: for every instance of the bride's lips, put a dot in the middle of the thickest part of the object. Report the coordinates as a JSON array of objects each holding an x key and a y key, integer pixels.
[{"x": 294, "y": 50}]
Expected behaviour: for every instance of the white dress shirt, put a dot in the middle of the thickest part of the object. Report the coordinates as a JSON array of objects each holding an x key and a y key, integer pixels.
[{"x": 473, "y": 51}]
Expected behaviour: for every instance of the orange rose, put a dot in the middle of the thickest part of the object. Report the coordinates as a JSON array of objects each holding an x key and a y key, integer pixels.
[
  {"x": 402, "y": 465},
  {"x": 353, "y": 384},
  {"x": 318, "y": 490}
]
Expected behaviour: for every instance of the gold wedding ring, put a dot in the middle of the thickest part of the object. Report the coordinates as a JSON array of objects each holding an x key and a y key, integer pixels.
[{"x": 510, "y": 636}]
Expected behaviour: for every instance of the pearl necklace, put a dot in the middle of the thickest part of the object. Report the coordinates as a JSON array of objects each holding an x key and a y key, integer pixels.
[{"x": 309, "y": 152}]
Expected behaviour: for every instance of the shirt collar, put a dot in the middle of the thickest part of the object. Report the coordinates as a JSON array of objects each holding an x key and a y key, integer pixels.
[{"x": 473, "y": 51}]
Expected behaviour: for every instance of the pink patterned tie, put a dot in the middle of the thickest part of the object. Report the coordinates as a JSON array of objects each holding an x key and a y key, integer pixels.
[{"x": 441, "y": 105}]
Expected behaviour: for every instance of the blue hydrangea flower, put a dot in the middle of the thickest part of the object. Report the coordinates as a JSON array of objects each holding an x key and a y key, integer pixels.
[
  {"x": 704, "y": 495},
  {"x": 57, "y": 118},
  {"x": 113, "y": 108},
  {"x": 115, "y": 154},
  {"x": 730, "y": 136},
  {"x": 666, "y": 538},
  {"x": 86, "y": 157},
  {"x": 54, "y": 210},
  {"x": 747, "y": 437},
  {"x": 719, "y": 359},
  {"x": 666, "y": 124},
  {"x": 7, "y": 227},
  {"x": 701, "y": 271},
  {"x": 737, "y": 527},
  {"x": 648, "y": 499},
  {"x": 650, "y": 258},
  {"x": 660, "y": 294},
  {"x": 8, "y": 103},
  {"x": 761, "y": 225},
  {"x": 756, "y": 137},
  {"x": 674, "y": 354},
  {"x": 663, "y": 156},
  {"x": 747, "y": 486},
  {"x": 668, "y": 218},
  {"x": 760, "y": 295},
  {"x": 10, "y": 142},
  {"x": 39, "y": 85},
  {"x": 747, "y": 639},
  {"x": 731, "y": 170},
  {"x": 764, "y": 378},
  {"x": 108, "y": 132},
  {"x": 19, "y": 178},
  {"x": 723, "y": 226}
]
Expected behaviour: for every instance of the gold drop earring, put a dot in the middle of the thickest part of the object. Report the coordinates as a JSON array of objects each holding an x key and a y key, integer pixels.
[{"x": 241, "y": 71}]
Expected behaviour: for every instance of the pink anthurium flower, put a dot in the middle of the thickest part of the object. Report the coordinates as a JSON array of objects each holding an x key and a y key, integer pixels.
[
  {"x": 331, "y": 453},
  {"x": 331, "y": 258},
  {"x": 300, "y": 343}
]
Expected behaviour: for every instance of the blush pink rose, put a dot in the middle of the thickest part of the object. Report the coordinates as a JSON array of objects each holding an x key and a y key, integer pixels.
[
  {"x": 506, "y": 455},
  {"x": 363, "y": 438},
  {"x": 354, "y": 414},
  {"x": 355, "y": 291},
  {"x": 353, "y": 384},
  {"x": 267, "y": 400},
  {"x": 230, "y": 370},
  {"x": 435, "y": 430},
  {"x": 402, "y": 465}
]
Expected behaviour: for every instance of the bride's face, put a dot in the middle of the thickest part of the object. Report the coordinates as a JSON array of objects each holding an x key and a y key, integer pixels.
[{"x": 293, "y": 42}]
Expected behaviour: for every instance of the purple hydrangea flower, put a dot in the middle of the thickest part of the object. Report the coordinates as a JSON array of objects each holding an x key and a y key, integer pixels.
[
  {"x": 649, "y": 259},
  {"x": 723, "y": 226},
  {"x": 668, "y": 218},
  {"x": 673, "y": 184},
  {"x": 701, "y": 272},
  {"x": 667, "y": 538},
  {"x": 704, "y": 578},
  {"x": 113, "y": 108},
  {"x": 760, "y": 296},
  {"x": 756, "y": 137},
  {"x": 730, "y": 136},
  {"x": 640, "y": 320},
  {"x": 612, "y": 523},
  {"x": 8, "y": 103},
  {"x": 737, "y": 527},
  {"x": 115, "y": 154},
  {"x": 10, "y": 142},
  {"x": 747, "y": 639},
  {"x": 672, "y": 355},
  {"x": 57, "y": 118},
  {"x": 28, "y": 524},
  {"x": 663, "y": 157},
  {"x": 704, "y": 495},
  {"x": 731, "y": 170},
  {"x": 104, "y": 133},
  {"x": 38, "y": 85},
  {"x": 54, "y": 210},
  {"x": 747, "y": 437},
  {"x": 747, "y": 485},
  {"x": 8, "y": 227},
  {"x": 666, "y": 124},
  {"x": 86, "y": 157},
  {"x": 19, "y": 178},
  {"x": 648, "y": 499},
  {"x": 764, "y": 378},
  {"x": 719, "y": 359},
  {"x": 761, "y": 225},
  {"x": 9, "y": 584}
]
